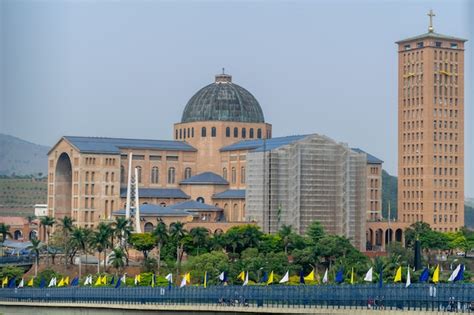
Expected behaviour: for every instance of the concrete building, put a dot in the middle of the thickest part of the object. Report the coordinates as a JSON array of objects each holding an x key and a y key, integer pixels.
[
  {"x": 431, "y": 130},
  {"x": 201, "y": 177}
]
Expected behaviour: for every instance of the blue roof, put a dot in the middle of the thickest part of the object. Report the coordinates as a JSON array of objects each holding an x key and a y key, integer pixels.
[
  {"x": 155, "y": 210},
  {"x": 205, "y": 178},
  {"x": 230, "y": 194},
  {"x": 113, "y": 145},
  {"x": 261, "y": 145},
  {"x": 157, "y": 193},
  {"x": 370, "y": 158},
  {"x": 192, "y": 205}
]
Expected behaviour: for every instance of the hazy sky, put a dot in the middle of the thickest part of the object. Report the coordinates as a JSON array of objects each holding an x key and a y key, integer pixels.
[{"x": 127, "y": 68}]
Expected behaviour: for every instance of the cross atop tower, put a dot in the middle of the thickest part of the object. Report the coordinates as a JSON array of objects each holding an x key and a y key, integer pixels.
[{"x": 431, "y": 15}]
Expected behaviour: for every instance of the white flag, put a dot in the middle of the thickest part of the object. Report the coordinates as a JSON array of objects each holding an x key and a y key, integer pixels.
[
  {"x": 123, "y": 280},
  {"x": 88, "y": 280},
  {"x": 455, "y": 273},
  {"x": 52, "y": 283},
  {"x": 22, "y": 283},
  {"x": 408, "y": 278},
  {"x": 285, "y": 278},
  {"x": 169, "y": 277},
  {"x": 246, "y": 281},
  {"x": 325, "y": 277},
  {"x": 183, "y": 282},
  {"x": 222, "y": 276},
  {"x": 368, "y": 275}
]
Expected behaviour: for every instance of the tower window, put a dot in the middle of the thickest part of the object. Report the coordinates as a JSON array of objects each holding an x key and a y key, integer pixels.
[
  {"x": 227, "y": 132},
  {"x": 203, "y": 131},
  {"x": 176, "y": 134},
  {"x": 236, "y": 132},
  {"x": 251, "y": 135},
  {"x": 438, "y": 44},
  {"x": 419, "y": 45},
  {"x": 192, "y": 132},
  {"x": 244, "y": 133},
  {"x": 213, "y": 132},
  {"x": 407, "y": 47},
  {"x": 259, "y": 133},
  {"x": 181, "y": 133},
  {"x": 454, "y": 45}
]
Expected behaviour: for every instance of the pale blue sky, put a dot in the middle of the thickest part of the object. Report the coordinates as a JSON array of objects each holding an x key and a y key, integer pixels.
[{"x": 127, "y": 68}]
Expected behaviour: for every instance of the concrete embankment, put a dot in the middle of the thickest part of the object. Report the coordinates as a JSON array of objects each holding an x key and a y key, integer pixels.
[{"x": 36, "y": 308}]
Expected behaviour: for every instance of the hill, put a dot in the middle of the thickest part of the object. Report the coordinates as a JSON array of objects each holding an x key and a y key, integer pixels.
[
  {"x": 19, "y": 195},
  {"x": 20, "y": 157},
  {"x": 389, "y": 193}
]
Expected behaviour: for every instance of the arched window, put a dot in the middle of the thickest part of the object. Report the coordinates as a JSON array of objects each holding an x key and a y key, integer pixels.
[
  {"x": 251, "y": 133},
  {"x": 184, "y": 133},
  {"x": 235, "y": 214},
  {"x": 200, "y": 199},
  {"x": 224, "y": 173},
  {"x": 234, "y": 175},
  {"x": 139, "y": 172},
  {"x": 213, "y": 131},
  {"x": 148, "y": 227},
  {"x": 189, "y": 133},
  {"x": 181, "y": 133},
  {"x": 244, "y": 133},
  {"x": 192, "y": 132},
  {"x": 155, "y": 175},
  {"x": 171, "y": 175},
  {"x": 187, "y": 173},
  {"x": 203, "y": 131},
  {"x": 236, "y": 132},
  {"x": 176, "y": 132},
  {"x": 242, "y": 175},
  {"x": 259, "y": 133},
  {"x": 122, "y": 174},
  {"x": 227, "y": 132}
]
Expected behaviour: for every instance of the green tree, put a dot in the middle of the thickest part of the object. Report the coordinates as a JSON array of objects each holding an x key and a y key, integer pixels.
[
  {"x": 36, "y": 247},
  {"x": 315, "y": 231},
  {"x": 66, "y": 223},
  {"x": 143, "y": 242},
  {"x": 285, "y": 233},
  {"x": 177, "y": 233},
  {"x": 161, "y": 236},
  {"x": 100, "y": 240},
  {"x": 80, "y": 239},
  {"x": 214, "y": 263},
  {"x": 117, "y": 258},
  {"x": 199, "y": 236},
  {"x": 5, "y": 231},
  {"x": 122, "y": 231},
  {"x": 47, "y": 222}
]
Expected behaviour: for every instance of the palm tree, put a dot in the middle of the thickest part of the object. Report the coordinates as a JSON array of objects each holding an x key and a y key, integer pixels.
[
  {"x": 285, "y": 234},
  {"x": 100, "y": 239},
  {"x": 80, "y": 238},
  {"x": 46, "y": 222},
  {"x": 117, "y": 258},
  {"x": 177, "y": 233},
  {"x": 199, "y": 236},
  {"x": 36, "y": 247},
  {"x": 67, "y": 224},
  {"x": 161, "y": 236},
  {"x": 30, "y": 218},
  {"x": 4, "y": 231},
  {"x": 122, "y": 231}
]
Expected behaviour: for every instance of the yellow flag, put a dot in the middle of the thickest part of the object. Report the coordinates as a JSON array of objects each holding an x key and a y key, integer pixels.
[
  {"x": 61, "y": 283},
  {"x": 66, "y": 281},
  {"x": 270, "y": 278},
  {"x": 310, "y": 277},
  {"x": 4, "y": 281},
  {"x": 30, "y": 283},
  {"x": 205, "y": 279},
  {"x": 188, "y": 277},
  {"x": 103, "y": 280},
  {"x": 241, "y": 276},
  {"x": 398, "y": 275},
  {"x": 98, "y": 281},
  {"x": 352, "y": 276},
  {"x": 436, "y": 275}
]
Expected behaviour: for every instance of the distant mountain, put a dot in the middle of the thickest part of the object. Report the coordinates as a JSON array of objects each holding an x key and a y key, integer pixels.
[
  {"x": 389, "y": 193},
  {"x": 20, "y": 157}
]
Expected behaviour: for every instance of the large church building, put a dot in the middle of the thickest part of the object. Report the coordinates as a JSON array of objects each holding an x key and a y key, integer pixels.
[{"x": 222, "y": 169}]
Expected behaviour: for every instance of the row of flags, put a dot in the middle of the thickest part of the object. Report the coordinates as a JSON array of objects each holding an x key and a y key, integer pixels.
[{"x": 456, "y": 275}]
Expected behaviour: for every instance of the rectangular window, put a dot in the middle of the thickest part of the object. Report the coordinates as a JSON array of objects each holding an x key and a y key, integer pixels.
[
  {"x": 155, "y": 157},
  {"x": 407, "y": 47},
  {"x": 138, "y": 157},
  {"x": 454, "y": 45},
  {"x": 171, "y": 158},
  {"x": 438, "y": 44},
  {"x": 419, "y": 45}
]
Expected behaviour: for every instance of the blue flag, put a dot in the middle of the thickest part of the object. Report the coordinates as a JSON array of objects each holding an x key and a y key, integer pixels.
[
  {"x": 460, "y": 275},
  {"x": 301, "y": 277},
  {"x": 12, "y": 283},
  {"x": 42, "y": 283},
  {"x": 75, "y": 282},
  {"x": 112, "y": 281},
  {"x": 119, "y": 282},
  {"x": 380, "y": 279},
  {"x": 425, "y": 275},
  {"x": 264, "y": 278},
  {"x": 340, "y": 276}
]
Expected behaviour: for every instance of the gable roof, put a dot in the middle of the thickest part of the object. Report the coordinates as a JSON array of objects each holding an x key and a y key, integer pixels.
[
  {"x": 370, "y": 158},
  {"x": 155, "y": 210},
  {"x": 206, "y": 178},
  {"x": 432, "y": 35},
  {"x": 192, "y": 205},
  {"x": 261, "y": 145},
  {"x": 157, "y": 193},
  {"x": 101, "y": 145},
  {"x": 230, "y": 194}
]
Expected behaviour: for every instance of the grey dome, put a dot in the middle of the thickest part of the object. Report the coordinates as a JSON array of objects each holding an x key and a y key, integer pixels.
[{"x": 223, "y": 101}]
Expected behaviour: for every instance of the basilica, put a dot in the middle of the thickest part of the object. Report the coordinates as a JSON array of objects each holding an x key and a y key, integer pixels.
[{"x": 223, "y": 168}]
